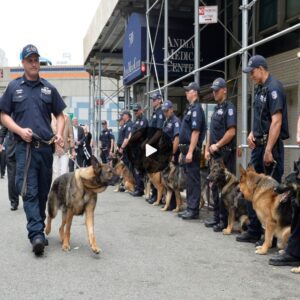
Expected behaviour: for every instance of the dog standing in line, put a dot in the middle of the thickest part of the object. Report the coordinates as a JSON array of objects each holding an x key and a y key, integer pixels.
[{"x": 273, "y": 212}]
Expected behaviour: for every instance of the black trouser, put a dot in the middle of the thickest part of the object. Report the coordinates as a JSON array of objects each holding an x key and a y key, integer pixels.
[
  {"x": 193, "y": 189},
  {"x": 220, "y": 212},
  {"x": 11, "y": 175},
  {"x": 2, "y": 162},
  {"x": 293, "y": 246},
  {"x": 104, "y": 156},
  {"x": 79, "y": 159},
  {"x": 257, "y": 155},
  {"x": 139, "y": 180}
]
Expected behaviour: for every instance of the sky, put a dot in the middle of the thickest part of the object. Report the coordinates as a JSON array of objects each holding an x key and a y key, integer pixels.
[{"x": 53, "y": 26}]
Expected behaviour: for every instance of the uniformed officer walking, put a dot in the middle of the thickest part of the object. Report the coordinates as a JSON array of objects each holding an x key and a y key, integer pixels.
[
  {"x": 192, "y": 133},
  {"x": 155, "y": 131},
  {"x": 26, "y": 108},
  {"x": 140, "y": 122},
  {"x": 221, "y": 145},
  {"x": 106, "y": 142},
  {"x": 269, "y": 128}
]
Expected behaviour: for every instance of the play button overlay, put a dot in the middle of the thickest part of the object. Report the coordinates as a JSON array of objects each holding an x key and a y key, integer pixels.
[{"x": 150, "y": 150}]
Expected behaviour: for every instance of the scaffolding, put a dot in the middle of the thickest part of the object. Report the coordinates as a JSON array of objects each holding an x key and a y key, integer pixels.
[{"x": 151, "y": 61}]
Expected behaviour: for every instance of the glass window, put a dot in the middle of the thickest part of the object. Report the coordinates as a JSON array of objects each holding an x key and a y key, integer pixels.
[
  {"x": 292, "y": 8},
  {"x": 267, "y": 13}
]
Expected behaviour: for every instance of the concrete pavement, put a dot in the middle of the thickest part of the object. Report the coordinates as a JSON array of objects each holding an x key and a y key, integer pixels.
[{"x": 147, "y": 254}]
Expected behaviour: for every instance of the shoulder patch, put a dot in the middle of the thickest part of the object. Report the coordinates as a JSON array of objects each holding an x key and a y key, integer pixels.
[
  {"x": 194, "y": 123},
  {"x": 142, "y": 122},
  {"x": 160, "y": 116},
  {"x": 129, "y": 128},
  {"x": 230, "y": 112},
  {"x": 189, "y": 112},
  {"x": 274, "y": 95},
  {"x": 176, "y": 124},
  {"x": 194, "y": 114}
]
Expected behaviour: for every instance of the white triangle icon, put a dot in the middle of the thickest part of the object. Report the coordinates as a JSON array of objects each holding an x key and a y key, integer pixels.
[{"x": 150, "y": 150}]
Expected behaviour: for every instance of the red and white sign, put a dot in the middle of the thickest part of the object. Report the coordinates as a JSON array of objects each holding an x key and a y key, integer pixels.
[{"x": 208, "y": 14}]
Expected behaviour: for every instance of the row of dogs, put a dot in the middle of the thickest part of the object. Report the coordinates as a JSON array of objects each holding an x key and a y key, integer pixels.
[
  {"x": 75, "y": 193},
  {"x": 271, "y": 201}
]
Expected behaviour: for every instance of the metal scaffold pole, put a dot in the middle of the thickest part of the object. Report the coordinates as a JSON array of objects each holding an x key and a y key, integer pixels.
[
  {"x": 100, "y": 105},
  {"x": 148, "y": 68},
  {"x": 196, "y": 41},
  {"x": 166, "y": 54},
  {"x": 244, "y": 8}
]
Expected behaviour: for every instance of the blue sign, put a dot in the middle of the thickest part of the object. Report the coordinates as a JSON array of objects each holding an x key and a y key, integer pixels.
[
  {"x": 134, "y": 48},
  {"x": 182, "y": 60}
]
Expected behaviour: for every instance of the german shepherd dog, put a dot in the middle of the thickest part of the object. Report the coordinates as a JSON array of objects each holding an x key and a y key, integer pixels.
[
  {"x": 228, "y": 186},
  {"x": 291, "y": 188},
  {"x": 127, "y": 178},
  {"x": 274, "y": 213},
  {"x": 174, "y": 180},
  {"x": 75, "y": 193}
]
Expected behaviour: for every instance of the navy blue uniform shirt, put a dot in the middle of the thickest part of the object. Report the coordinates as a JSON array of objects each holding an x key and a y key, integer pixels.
[
  {"x": 194, "y": 119},
  {"x": 124, "y": 132},
  {"x": 223, "y": 117},
  {"x": 140, "y": 122},
  {"x": 105, "y": 138},
  {"x": 269, "y": 99},
  {"x": 171, "y": 127},
  {"x": 30, "y": 104},
  {"x": 157, "y": 119}
]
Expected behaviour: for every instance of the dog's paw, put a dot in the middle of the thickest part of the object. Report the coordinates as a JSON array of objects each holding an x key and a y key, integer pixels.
[
  {"x": 155, "y": 204},
  {"x": 66, "y": 247},
  {"x": 226, "y": 231},
  {"x": 47, "y": 230},
  {"x": 164, "y": 209},
  {"x": 258, "y": 247},
  {"x": 96, "y": 250},
  {"x": 176, "y": 210},
  {"x": 295, "y": 270},
  {"x": 261, "y": 251}
]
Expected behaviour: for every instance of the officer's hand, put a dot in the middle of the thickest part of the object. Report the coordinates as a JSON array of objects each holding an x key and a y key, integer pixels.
[
  {"x": 120, "y": 150},
  {"x": 59, "y": 140},
  {"x": 26, "y": 134},
  {"x": 268, "y": 157},
  {"x": 189, "y": 157},
  {"x": 251, "y": 140},
  {"x": 213, "y": 148},
  {"x": 207, "y": 155}
]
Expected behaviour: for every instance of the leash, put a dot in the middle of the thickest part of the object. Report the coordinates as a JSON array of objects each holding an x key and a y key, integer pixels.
[
  {"x": 36, "y": 141},
  {"x": 74, "y": 161},
  {"x": 273, "y": 168}
]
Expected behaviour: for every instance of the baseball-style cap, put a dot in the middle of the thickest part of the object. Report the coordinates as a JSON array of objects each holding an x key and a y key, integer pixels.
[
  {"x": 136, "y": 107},
  {"x": 103, "y": 122},
  {"x": 167, "y": 105},
  {"x": 255, "y": 62},
  {"x": 155, "y": 96},
  {"x": 192, "y": 86},
  {"x": 119, "y": 118},
  {"x": 218, "y": 83},
  {"x": 126, "y": 112},
  {"x": 29, "y": 50}
]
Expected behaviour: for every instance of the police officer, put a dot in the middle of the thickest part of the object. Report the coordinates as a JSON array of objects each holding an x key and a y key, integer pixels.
[
  {"x": 26, "y": 108},
  {"x": 125, "y": 133},
  {"x": 291, "y": 255},
  {"x": 106, "y": 142},
  {"x": 155, "y": 130},
  {"x": 140, "y": 122},
  {"x": 192, "y": 133},
  {"x": 269, "y": 128},
  {"x": 221, "y": 145},
  {"x": 11, "y": 167},
  {"x": 171, "y": 128}
]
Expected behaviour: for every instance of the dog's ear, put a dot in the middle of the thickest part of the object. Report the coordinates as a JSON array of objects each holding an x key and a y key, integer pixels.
[
  {"x": 96, "y": 165},
  {"x": 242, "y": 170},
  {"x": 250, "y": 167}
]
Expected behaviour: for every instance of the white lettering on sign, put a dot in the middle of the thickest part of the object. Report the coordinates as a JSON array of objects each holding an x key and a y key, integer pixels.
[{"x": 208, "y": 14}]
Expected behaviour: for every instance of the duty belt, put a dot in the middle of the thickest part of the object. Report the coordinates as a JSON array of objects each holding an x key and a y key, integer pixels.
[
  {"x": 261, "y": 141},
  {"x": 184, "y": 148}
]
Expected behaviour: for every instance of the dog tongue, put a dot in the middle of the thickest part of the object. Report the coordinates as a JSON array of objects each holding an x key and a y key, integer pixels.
[
  {"x": 284, "y": 196},
  {"x": 210, "y": 184}
]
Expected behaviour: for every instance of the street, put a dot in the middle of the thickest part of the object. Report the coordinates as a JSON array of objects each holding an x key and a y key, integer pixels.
[{"x": 146, "y": 254}]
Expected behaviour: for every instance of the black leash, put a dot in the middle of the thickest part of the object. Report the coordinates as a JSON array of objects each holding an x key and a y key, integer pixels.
[{"x": 36, "y": 140}]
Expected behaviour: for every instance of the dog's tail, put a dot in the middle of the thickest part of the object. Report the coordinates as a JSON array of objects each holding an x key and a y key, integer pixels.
[{"x": 53, "y": 203}]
